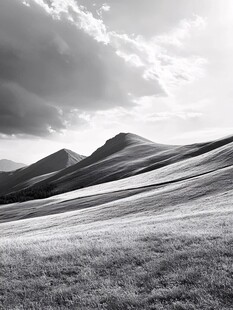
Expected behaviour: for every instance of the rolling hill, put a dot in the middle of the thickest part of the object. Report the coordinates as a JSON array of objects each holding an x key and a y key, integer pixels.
[
  {"x": 127, "y": 155},
  {"x": 30, "y": 175},
  {"x": 123, "y": 156},
  {"x": 206, "y": 173},
  {"x": 9, "y": 165},
  {"x": 160, "y": 239}
]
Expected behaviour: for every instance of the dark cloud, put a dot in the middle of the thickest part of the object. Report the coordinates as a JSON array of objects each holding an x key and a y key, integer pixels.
[
  {"x": 25, "y": 113},
  {"x": 49, "y": 67}
]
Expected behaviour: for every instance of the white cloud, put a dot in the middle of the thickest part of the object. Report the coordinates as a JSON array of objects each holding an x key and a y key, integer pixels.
[
  {"x": 76, "y": 14},
  {"x": 26, "y": 3},
  {"x": 168, "y": 66},
  {"x": 184, "y": 30},
  {"x": 132, "y": 59},
  {"x": 104, "y": 8}
]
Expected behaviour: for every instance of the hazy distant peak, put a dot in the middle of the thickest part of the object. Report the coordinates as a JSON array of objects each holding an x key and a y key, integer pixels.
[{"x": 9, "y": 165}]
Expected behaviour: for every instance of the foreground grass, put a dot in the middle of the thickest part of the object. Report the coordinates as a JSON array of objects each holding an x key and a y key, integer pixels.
[{"x": 184, "y": 263}]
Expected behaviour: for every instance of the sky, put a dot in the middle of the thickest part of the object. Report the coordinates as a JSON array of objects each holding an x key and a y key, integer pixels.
[{"x": 74, "y": 73}]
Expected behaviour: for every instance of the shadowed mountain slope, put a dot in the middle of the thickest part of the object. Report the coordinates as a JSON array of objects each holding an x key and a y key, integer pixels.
[
  {"x": 9, "y": 165},
  {"x": 122, "y": 156},
  {"x": 126, "y": 155},
  {"x": 202, "y": 178},
  {"x": 27, "y": 176}
]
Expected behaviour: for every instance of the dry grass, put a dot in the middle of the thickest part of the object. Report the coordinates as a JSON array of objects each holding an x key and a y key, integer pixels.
[{"x": 129, "y": 263}]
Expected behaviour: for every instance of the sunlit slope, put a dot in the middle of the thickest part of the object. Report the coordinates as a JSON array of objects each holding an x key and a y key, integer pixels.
[
  {"x": 174, "y": 257},
  {"x": 207, "y": 175},
  {"x": 20, "y": 179}
]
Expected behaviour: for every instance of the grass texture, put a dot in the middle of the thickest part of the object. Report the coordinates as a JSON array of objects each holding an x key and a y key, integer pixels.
[{"x": 141, "y": 262}]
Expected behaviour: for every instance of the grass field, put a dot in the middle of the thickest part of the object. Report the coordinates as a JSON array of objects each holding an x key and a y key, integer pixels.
[{"x": 138, "y": 261}]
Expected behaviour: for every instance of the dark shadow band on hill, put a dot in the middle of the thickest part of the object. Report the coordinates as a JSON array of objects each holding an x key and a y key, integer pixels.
[
  {"x": 16, "y": 212},
  {"x": 35, "y": 192}
]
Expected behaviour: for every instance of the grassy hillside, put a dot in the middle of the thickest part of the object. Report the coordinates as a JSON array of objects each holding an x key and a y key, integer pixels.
[
  {"x": 178, "y": 258},
  {"x": 158, "y": 240},
  {"x": 209, "y": 173}
]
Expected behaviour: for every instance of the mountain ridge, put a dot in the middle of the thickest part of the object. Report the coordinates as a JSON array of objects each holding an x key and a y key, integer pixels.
[
  {"x": 122, "y": 156},
  {"x": 206, "y": 175},
  {"x": 59, "y": 160}
]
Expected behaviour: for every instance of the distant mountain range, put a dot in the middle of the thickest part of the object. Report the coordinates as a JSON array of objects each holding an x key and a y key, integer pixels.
[
  {"x": 9, "y": 165},
  {"x": 122, "y": 156}
]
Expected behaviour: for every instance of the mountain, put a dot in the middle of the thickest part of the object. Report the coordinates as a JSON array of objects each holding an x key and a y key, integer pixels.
[
  {"x": 126, "y": 155},
  {"x": 120, "y": 157},
  {"x": 30, "y": 175},
  {"x": 203, "y": 179},
  {"x": 9, "y": 165}
]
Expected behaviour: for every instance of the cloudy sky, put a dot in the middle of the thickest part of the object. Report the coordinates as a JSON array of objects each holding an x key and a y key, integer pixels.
[{"x": 74, "y": 73}]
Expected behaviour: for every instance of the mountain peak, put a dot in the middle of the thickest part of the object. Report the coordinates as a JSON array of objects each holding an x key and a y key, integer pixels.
[
  {"x": 65, "y": 150},
  {"x": 61, "y": 159},
  {"x": 51, "y": 164},
  {"x": 116, "y": 144},
  {"x": 129, "y": 138}
]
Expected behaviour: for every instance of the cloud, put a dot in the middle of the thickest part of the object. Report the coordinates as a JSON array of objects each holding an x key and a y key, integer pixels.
[
  {"x": 149, "y": 18},
  {"x": 19, "y": 115},
  {"x": 57, "y": 55},
  {"x": 103, "y": 9},
  {"x": 180, "y": 33},
  {"x": 59, "y": 62},
  {"x": 161, "y": 57},
  {"x": 137, "y": 67}
]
